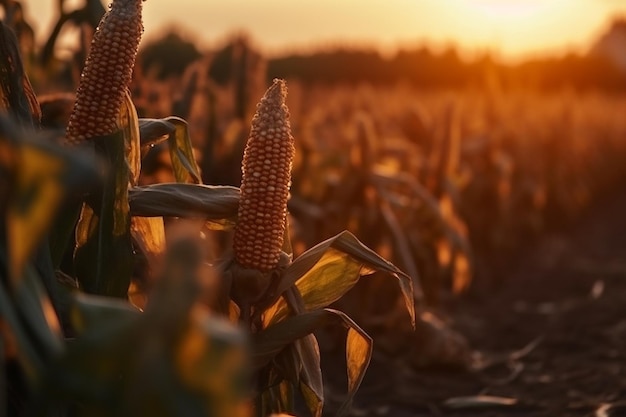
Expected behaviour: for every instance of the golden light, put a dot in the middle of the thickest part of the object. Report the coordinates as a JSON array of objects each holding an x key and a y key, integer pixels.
[
  {"x": 508, "y": 10},
  {"x": 513, "y": 26}
]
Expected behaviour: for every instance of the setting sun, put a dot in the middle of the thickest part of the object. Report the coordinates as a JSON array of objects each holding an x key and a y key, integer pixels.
[
  {"x": 520, "y": 26},
  {"x": 513, "y": 29}
]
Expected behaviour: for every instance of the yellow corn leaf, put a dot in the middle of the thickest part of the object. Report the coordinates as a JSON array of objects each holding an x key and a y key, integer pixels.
[
  {"x": 130, "y": 125},
  {"x": 212, "y": 359},
  {"x": 149, "y": 234},
  {"x": 39, "y": 191},
  {"x": 324, "y": 273}
]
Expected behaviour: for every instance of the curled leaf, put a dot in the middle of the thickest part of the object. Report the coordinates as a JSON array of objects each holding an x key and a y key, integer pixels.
[
  {"x": 271, "y": 341},
  {"x": 154, "y": 131},
  {"x": 216, "y": 204},
  {"x": 324, "y": 273},
  {"x": 184, "y": 163}
]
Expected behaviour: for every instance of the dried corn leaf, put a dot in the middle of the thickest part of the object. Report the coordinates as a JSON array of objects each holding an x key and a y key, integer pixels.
[
  {"x": 154, "y": 131},
  {"x": 184, "y": 163},
  {"x": 130, "y": 123},
  {"x": 269, "y": 342},
  {"x": 479, "y": 401},
  {"x": 324, "y": 273},
  {"x": 149, "y": 234},
  {"x": 217, "y": 204}
]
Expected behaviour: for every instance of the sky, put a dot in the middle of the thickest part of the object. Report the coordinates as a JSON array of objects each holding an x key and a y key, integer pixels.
[{"x": 510, "y": 29}]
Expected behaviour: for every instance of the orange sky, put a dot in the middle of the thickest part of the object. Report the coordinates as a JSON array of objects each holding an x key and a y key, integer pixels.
[{"x": 515, "y": 28}]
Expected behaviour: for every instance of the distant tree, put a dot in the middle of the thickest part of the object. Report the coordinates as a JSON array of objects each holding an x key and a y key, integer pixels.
[
  {"x": 612, "y": 44},
  {"x": 168, "y": 56}
]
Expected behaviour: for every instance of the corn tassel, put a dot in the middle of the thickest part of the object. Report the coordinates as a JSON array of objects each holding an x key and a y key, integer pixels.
[
  {"x": 266, "y": 178},
  {"x": 107, "y": 72}
]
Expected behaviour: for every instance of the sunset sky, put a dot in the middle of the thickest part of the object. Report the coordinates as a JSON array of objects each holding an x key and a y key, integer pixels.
[{"x": 513, "y": 28}]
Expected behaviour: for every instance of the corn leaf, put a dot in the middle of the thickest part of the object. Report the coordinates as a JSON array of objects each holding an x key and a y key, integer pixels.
[
  {"x": 270, "y": 342},
  {"x": 310, "y": 382},
  {"x": 212, "y": 359},
  {"x": 153, "y": 132},
  {"x": 61, "y": 234},
  {"x": 103, "y": 254},
  {"x": 30, "y": 356},
  {"x": 184, "y": 163},
  {"x": 92, "y": 313},
  {"x": 130, "y": 123},
  {"x": 358, "y": 355},
  {"x": 38, "y": 314},
  {"x": 149, "y": 234},
  {"x": 38, "y": 193},
  {"x": 278, "y": 397},
  {"x": 299, "y": 363},
  {"x": 98, "y": 359},
  {"x": 324, "y": 273},
  {"x": 29, "y": 318},
  {"x": 218, "y": 205},
  {"x": 44, "y": 176}
]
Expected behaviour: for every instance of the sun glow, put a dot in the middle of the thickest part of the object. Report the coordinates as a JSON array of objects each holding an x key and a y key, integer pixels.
[
  {"x": 509, "y": 10},
  {"x": 512, "y": 26}
]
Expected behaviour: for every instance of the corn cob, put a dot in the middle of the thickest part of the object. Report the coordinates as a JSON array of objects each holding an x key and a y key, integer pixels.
[
  {"x": 107, "y": 72},
  {"x": 266, "y": 177}
]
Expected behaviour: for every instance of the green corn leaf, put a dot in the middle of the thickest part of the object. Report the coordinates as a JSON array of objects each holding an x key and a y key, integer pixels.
[
  {"x": 324, "y": 273},
  {"x": 95, "y": 314},
  {"x": 44, "y": 176},
  {"x": 103, "y": 254},
  {"x": 31, "y": 358},
  {"x": 98, "y": 359},
  {"x": 218, "y": 205},
  {"x": 38, "y": 192},
  {"x": 38, "y": 314},
  {"x": 61, "y": 234},
  {"x": 184, "y": 163},
  {"x": 167, "y": 361}
]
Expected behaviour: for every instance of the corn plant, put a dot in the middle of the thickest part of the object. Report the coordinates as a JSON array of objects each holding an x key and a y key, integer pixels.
[
  {"x": 393, "y": 208},
  {"x": 172, "y": 358}
]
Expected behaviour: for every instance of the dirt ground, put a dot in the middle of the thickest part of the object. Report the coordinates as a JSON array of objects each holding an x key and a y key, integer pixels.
[{"x": 549, "y": 341}]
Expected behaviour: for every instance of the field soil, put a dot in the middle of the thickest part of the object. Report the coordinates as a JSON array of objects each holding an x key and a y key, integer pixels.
[{"x": 548, "y": 340}]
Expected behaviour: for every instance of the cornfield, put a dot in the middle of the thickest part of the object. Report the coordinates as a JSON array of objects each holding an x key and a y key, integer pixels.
[{"x": 171, "y": 247}]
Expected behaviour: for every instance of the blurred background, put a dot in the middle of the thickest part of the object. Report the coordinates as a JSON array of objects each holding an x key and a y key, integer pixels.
[{"x": 446, "y": 134}]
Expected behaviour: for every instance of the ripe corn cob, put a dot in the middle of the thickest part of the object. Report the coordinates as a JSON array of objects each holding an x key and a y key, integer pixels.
[
  {"x": 265, "y": 183},
  {"x": 107, "y": 72}
]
